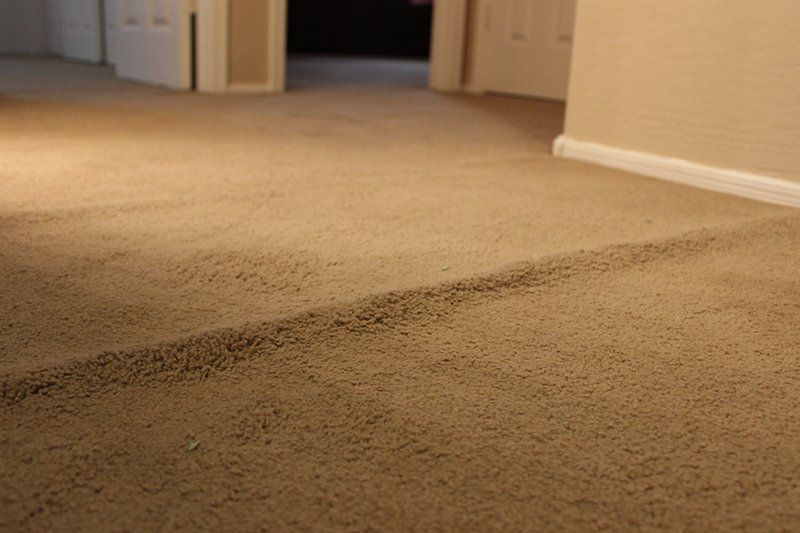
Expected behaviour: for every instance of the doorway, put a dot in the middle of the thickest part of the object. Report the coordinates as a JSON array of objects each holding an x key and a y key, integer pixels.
[
  {"x": 519, "y": 47},
  {"x": 246, "y": 41},
  {"x": 358, "y": 42}
]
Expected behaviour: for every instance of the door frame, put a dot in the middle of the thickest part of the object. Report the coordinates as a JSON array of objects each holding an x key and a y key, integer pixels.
[
  {"x": 211, "y": 61},
  {"x": 213, "y": 43},
  {"x": 448, "y": 45},
  {"x": 447, "y": 56}
]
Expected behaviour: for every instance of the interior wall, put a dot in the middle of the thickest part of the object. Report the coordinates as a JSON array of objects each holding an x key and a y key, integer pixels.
[
  {"x": 43, "y": 26},
  {"x": 110, "y": 16},
  {"x": 247, "y": 41},
  {"x": 23, "y": 28},
  {"x": 715, "y": 82},
  {"x": 55, "y": 26}
]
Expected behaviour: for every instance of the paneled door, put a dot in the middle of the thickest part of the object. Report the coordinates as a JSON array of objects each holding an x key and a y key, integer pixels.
[
  {"x": 81, "y": 29},
  {"x": 524, "y": 46},
  {"x": 153, "y": 42}
]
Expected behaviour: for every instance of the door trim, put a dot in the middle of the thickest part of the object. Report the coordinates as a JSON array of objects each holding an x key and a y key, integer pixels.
[
  {"x": 213, "y": 48},
  {"x": 211, "y": 61},
  {"x": 448, "y": 45},
  {"x": 278, "y": 18}
]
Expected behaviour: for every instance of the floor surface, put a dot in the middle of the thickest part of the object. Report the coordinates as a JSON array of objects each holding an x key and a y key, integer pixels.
[{"x": 371, "y": 307}]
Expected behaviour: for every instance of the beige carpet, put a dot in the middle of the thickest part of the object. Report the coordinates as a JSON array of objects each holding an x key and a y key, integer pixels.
[{"x": 376, "y": 308}]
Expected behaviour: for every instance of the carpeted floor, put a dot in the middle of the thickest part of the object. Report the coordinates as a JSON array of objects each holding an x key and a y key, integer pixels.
[{"x": 354, "y": 307}]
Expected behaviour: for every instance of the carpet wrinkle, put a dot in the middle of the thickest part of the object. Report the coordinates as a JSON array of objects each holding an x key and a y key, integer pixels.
[
  {"x": 199, "y": 355},
  {"x": 354, "y": 319}
]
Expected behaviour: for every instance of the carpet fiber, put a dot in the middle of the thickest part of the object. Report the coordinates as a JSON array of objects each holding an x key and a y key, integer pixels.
[{"x": 355, "y": 307}]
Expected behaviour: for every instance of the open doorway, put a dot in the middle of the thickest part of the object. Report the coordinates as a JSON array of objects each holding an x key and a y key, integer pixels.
[
  {"x": 358, "y": 42},
  {"x": 515, "y": 47}
]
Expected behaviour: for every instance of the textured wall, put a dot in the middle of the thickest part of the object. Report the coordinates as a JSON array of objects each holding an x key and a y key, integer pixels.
[
  {"x": 22, "y": 26},
  {"x": 248, "y": 34},
  {"x": 713, "y": 81}
]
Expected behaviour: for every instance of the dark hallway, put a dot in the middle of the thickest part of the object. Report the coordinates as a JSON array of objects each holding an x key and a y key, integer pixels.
[{"x": 358, "y": 42}]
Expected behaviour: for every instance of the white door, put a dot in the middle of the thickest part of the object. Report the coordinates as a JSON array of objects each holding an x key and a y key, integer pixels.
[
  {"x": 153, "y": 42},
  {"x": 81, "y": 30},
  {"x": 524, "y": 47}
]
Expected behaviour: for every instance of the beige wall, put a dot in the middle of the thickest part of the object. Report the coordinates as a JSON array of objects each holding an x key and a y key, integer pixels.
[
  {"x": 711, "y": 81},
  {"x": 248, "y": 45}
]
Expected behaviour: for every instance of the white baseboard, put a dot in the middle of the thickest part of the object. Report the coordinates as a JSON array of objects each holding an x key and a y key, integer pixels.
[{"x": 755, "y": 186}]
